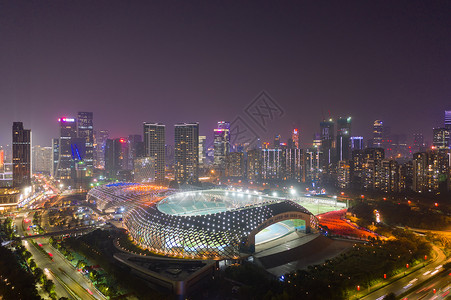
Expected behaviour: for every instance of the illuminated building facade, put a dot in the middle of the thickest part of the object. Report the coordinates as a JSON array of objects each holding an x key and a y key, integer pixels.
[
  {"x": 234, "y": 164},
  {"x": 154, "y": 144},
  {"x": 273, "y": 164},
  {"x": 86, "y": 132},
  {"x": 356, "y": 143},
  {"x": 144, "y": 169},
  {"x": 66, "y": 165},
  {"x": 378, "y": 134},
  {"x": 21, "y": 155},
  {"x": 295, "y": 138},
  {"x": 327, "y": 143},
  {"x": 431, "y": 171},
  {"x": 221, "y": 144},
  {"x": 343, "y": 174},
  {"x": 343, "y": 144},
  {"x": 440, "y": 139},
  {"x": 254, "y": 165},
  {"x": 100, "y": 138},
  {"x": 186, "y": 153},
  {"x": 202, "y": 151},
  {"x": 293, "y": 164}
]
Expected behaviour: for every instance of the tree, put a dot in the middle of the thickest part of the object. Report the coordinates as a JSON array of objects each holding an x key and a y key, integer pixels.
[
  {"x": 32, "y": 264},
  {"x": 39, "y": 275}
]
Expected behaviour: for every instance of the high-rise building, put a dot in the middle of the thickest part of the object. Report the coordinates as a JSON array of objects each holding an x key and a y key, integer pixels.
[
  {"x": 343, "y": 144},
  {"x": 343, "y": 174},
  {"x": 234, "y": 164},
  {"x": 327, "y": 143},
  {"x": 440, "y": 139},
  {"x": 378, "y": 134},
  {"x": 154, "y": 145},
  {"x": 356, "y": 143},
  {"x": 66, "y": 164},
  {"x": 55, "y": 156},
  {"x": 293, "y": 163},
  {"x": 295, "y": 138},
  {"x": 221, "y": 144},
  {"x": 113, "y": 157},
  {"x": 273, "y": 164},
  {"x": 202, "y": 151},
  {"x": 21, "y": 155},
  {"x": 86, "y": 132},
  {"x": 186, "y": 153},
  {"x": 136, "y": 149},
  {"x": 100, "y": 138},
  {"x": 448, "y": 119},
  {"x": 254, "y": 164},
  {"x": 431, "y": 171},
  {"x": 42, "y": 159},
  {"x": 277, "y": 141}
]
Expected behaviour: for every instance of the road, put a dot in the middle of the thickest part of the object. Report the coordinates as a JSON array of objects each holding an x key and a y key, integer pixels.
[
  {"x": 438, "y": 288},
  {"x": 410, "y": 281},
  {"x": 68, "y": 282}
]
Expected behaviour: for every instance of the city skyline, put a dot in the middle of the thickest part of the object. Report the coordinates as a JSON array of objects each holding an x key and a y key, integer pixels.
[{"x": 124, "y": 63}]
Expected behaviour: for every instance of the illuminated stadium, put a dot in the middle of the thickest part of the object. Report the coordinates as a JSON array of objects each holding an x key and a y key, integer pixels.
[{"x": 206, "y": 224}]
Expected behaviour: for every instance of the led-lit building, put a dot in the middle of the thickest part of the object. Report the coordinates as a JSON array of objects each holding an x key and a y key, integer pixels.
[
  {"x": 186, "y": 153},
  {"x": 448, "y": 119},
  {"x": 154, "y": 144},
  {"x": 254, "y": 165},
  {"x": 295, "y": 138},
  {"x": 356, "y": 143},
  {"x": 343, "y": 174},
  {"x": 66, "y": 165},
  {"x": 221, "y": 144},
  {"x": 86, "y": 132},
  {"x": 327, "y": 143},
  {"x": 21, "y": 155},
  {"x": 378, "y": 134},
  {"x": 431, "y": 171},
  {"x": 234, "y": 165},
  {"x": 343, "y": 144},
  {"x": 293, "y": 164},
  {"x": 100, "y": 138},
  {"x": 440, "y": 139},
  {"x": 113, "y": 157},
  {"x": 273, "y": 166},
  {"x": 202, "y": 151},
  {"x": 389, "y": 176}
]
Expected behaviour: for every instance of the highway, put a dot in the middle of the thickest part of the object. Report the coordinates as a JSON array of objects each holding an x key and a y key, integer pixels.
[
  {"x": 68, "y": 282},
  {"x": 438, "y": 288},
  {"x": 412, "y": 280}
]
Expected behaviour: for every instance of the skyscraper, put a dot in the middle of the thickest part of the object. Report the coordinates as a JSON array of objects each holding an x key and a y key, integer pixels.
[
  {"x": 21, "y": 155},
  {"x": 221, "y": 145},
  {"x": 85, "y": 131},
  {"x": 343, "y": 138},
  {"x": 100, "y": 138},
  {"x": 66, "y": 165},
  {"x": 154, "y": 145},
  {"x": 378, "y": 133},
  {"x": 113, "y": 157},
  {"x": 356, "y": 143},
  {"x": 327, "y": 143},
  {"x": 448, "y": 119},
  {"x": 202, "y": 151},
  {"x": 295, "y": 138},
  {"x": 42, "y": 159},
  {"x": 440, "y": 139},
  {"x": 186, "y": 153}
]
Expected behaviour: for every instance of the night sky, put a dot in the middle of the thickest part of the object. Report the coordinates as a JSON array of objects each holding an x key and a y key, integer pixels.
[{"x": 183, "y": 61}]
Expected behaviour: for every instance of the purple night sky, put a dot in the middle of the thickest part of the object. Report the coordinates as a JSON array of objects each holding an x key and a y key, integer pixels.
[{"x": 184, "y": 61}]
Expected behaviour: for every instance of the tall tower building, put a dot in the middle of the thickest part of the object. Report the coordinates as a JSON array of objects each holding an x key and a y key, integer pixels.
[
  {"x": 21, "y": 155},
  {"x": 202, "y": 151},
  {"x": 327, "y": 143},
  {"x": 113, "y": 157},
  {"x": 66, "y": 164},
  {"x": 448, "y": 119},
  {"x": 86, "y": 132},
  {"x": 378, "y": 133},
  {"x": 55, "y": 156},
  {"x": 186, "y": 153},
  {"x": 356, "y": 143},
  {"x": 277, "y": 141},
  {"x": 154, "y": 145},
  {"x": 440, "y": 138},
  {"x": 221, "y": 144},
  {"x": 343, "y": 144},
  {"x": 100, "y": 138},
  {"x": 295, "y": 138}
]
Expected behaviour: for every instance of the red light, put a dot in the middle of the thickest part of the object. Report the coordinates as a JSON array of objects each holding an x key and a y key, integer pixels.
[
  {"x": 385, "y": 276},
  {"x": 122, "y": 141},
  {"x": 358, "y": 287},
  {"x": 50, "y": 254}
]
